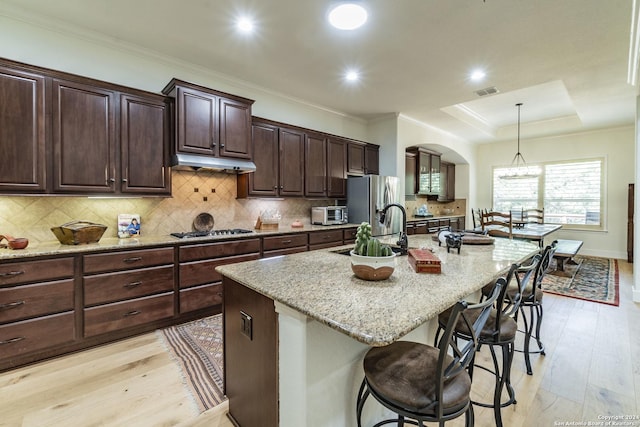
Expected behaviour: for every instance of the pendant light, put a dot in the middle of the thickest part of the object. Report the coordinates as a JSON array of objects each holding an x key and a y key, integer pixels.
[{"x": 519, "y": 168}]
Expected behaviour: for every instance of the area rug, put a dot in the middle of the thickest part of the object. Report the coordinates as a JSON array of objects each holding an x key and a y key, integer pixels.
[
  {"x": 197, "y": 347},
  {"x": 592, "y": 279}
]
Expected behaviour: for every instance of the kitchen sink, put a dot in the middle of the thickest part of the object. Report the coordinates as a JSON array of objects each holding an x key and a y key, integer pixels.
[{"x": 395, "y": 249}]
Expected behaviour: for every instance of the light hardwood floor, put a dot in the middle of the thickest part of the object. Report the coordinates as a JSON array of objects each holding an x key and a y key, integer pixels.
[{"x": 592, "y": 369}]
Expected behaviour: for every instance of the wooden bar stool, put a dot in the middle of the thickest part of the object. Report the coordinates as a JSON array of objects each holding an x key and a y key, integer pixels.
[
  {"x": 421, "y": 383},
  {"x": 499, "y": 331}
]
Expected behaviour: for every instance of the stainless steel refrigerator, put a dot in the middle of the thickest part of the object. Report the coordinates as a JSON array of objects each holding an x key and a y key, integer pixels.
[{"x": 367, "y": 195}]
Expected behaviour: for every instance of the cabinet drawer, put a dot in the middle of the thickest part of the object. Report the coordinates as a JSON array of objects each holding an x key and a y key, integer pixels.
[
  {"x": 122, "y": 315},
  {"x": 200, "y": 297},
  {"x": 349, "y": 235},
  {"x": 318, "y": 237},
  {"x": 110, "y": 287},
  {"x": 201, "y": 272},
  {"x": 420, "y": 228},
  {"x": 36, "y": 334},
  {"x": 288, "y": 251},
  {"x": 283, "y": 242},
  {"x": 32, "y": 271},
  {"x": 125, "y": 260},
  {"x": 26, "y": 301},
  {"x": 216, "y": 250},
  {"x": 433, "y": 226}
]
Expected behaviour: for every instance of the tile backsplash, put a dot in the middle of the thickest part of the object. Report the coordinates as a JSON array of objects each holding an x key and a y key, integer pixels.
[{"x": 193, "y": 192}]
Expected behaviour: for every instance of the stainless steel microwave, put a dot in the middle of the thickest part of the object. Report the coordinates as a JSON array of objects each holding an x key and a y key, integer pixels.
[{"x": 329, "y": 215}]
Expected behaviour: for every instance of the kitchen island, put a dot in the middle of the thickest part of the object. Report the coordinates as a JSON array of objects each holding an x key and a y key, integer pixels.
[{"x": 297, "y": 327}]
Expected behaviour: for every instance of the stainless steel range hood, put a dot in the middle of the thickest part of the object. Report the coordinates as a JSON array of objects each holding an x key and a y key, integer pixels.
[{"x": 183, "y": 161}]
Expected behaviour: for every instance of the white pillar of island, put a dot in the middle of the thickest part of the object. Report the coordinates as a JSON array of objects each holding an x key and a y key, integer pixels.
[{"x": 320, "y": 372}]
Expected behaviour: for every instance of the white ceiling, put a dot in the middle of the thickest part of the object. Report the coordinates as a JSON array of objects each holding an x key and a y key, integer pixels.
[{"x": 565, "y": 60}]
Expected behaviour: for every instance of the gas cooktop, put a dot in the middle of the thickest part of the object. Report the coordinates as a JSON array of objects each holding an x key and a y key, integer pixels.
[{"x": 221, "y": 232}]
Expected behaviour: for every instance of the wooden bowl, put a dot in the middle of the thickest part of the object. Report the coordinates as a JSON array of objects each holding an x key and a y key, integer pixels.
[{"x": 371, "y": 267}]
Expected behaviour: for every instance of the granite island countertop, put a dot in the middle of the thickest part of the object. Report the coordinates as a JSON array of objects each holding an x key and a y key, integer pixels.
[{"x": 321, "y": 285}]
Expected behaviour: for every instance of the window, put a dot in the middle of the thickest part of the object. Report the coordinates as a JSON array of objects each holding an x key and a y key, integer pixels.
[{"x": 570, "y": 192}]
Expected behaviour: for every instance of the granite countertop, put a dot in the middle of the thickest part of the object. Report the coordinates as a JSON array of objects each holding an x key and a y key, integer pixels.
[
  {"x": 321, "y": 285},
  {"x": 54, "y": 247}
]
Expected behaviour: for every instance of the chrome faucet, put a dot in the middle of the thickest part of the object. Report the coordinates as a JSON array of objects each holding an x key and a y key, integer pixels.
[{"x": 402, "y": 238}]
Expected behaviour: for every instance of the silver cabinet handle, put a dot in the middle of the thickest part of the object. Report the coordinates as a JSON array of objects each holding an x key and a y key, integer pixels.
[
  {"x": 132, "y": 284},
  {"x": 11, "y": 273},
  {"x": 132, "y": 259},
  {"x": 132, "y": 313},
  {"x": 11, "y": 305},
  {"x": 11, "y": 340}
]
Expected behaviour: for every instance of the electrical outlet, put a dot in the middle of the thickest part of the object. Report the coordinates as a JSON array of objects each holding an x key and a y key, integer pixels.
[{"x": 246, "y": 325}]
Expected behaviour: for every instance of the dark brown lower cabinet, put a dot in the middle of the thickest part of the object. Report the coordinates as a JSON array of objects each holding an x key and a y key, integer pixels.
[{"x": 250, "y": 356}]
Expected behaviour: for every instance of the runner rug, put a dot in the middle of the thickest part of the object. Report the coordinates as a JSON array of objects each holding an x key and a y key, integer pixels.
[
  {"x": 197, "y": 347},
  {"x": 592, "y": 279}
]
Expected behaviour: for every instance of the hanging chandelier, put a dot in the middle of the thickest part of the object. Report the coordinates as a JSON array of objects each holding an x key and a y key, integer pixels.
[{"x": 519, "y": 168}]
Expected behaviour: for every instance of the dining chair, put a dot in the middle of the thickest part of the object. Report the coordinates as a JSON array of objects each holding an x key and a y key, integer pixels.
[
  {"x": 533, "y": 216},
  {"x": 428, "y": 383},
  {"x": 499, "y": 331},
  {"x": 532, "y": 298},
  {"x": 497, "y": 224}
]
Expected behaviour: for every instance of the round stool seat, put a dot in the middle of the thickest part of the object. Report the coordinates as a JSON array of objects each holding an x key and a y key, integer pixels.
[
  {"x": 507, "y": 332},
  {"x": 406, "y": 374}
]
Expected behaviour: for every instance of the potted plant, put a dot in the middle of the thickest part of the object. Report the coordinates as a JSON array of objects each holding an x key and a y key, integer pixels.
[{"x": 370, "y": 259}]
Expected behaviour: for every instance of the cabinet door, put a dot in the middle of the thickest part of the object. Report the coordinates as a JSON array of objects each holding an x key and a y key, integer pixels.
[
  {"x": 336, "y": 168},
  {"x": 315, "y": 166},
  {"x": 235, "y": 129},
  {"x": 424, "y": 173},
  {"x": 355, "y": 159},
  {"x": 22, "y": 131},
  {"x": 264, "y": 181},
  {"x": 291, "y": 162},
  {"x": 197, "y": 114},
  {"x": 434, "y": 174},
  {"x": 83, "y": 138},
  {"x": 409, "y": 174},
  {"x": 371, "y": 160},
  {"x": 144, "y": 145}
]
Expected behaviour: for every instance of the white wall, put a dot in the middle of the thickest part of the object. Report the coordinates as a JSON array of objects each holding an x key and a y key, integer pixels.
[{"x": 616, "y": 146}]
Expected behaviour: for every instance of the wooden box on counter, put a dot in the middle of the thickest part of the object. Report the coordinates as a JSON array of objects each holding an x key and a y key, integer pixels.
[{"x": 424, "y": 261}]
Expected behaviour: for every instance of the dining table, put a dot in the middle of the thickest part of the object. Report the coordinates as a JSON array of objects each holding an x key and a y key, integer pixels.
[{"x": 532, "y": 231}]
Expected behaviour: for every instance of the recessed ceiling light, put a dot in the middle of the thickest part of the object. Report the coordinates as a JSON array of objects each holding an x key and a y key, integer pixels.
[
  {"x": 348, "y": 16},
  {"x": 245, "y": 24},
  {"x": 478, "y": 75},
  {"x": 352, "y": 76}
]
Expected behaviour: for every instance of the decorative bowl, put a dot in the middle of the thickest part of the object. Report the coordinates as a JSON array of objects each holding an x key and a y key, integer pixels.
[
  {"x": 79, "y": 232},
  {"x": 372, "y": 267}
]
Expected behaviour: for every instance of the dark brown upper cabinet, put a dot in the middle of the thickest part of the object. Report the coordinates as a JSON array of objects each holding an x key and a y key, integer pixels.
[
  {"x": 371, "y": 159},
  {"x": 67, "y": 134},
  {"x": 336, "y": 168},
  {"x": 355, "y": 159},
  {"x": 315, "y": 165},
  {"x": 428, "y": 180},
  {"x": 410, "y": 173},
  {"x": 210, "y": 122},
  {"x": 264, "y": 181},
  {"x": 22, "y": 131},
  {"x": 279, "y": 160},
  {"x": 83, "y": 138},
  {"x": 448, "y": 182},
  {"x": 144, "y": 144},
  {"x": 291, "y": 162}
]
